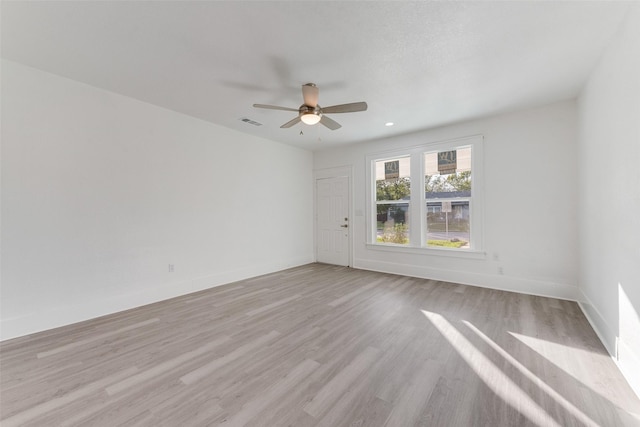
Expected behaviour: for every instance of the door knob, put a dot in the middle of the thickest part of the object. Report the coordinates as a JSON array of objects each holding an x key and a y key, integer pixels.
[{"x": 344, "y": 226}]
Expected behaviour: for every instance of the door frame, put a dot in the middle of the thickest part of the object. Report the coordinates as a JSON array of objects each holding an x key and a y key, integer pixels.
[{"x": 337, "y": 172}]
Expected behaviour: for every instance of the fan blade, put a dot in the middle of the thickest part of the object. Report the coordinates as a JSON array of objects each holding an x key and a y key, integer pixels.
[
  {"x": 310, "y": 94},
  {"x": 330, "y": 123},
  {"x": 274, "y": 107},
  {"x": 291, "y": 123},
  {"x": 345, "y": 108}
]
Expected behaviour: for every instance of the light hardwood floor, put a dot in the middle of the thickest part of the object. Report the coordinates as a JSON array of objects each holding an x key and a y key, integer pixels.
[{"x": 321, "y": 345}]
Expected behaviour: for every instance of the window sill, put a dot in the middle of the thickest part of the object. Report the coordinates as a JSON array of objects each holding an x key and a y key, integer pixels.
[{"x": 455, "y": 253}]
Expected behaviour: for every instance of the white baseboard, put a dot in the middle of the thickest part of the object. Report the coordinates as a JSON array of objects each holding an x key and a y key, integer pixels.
[
  {"x": 499, "y": 282},
  {"x": 623, "y": 356},
  {"x": 599, "y": 324},
  {"x": 629, "y": 362},
  {"x": 61, "y": 316}
]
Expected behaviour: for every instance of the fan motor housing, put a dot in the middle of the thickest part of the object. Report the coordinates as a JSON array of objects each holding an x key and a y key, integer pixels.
[{"x": 305, "y": 109}]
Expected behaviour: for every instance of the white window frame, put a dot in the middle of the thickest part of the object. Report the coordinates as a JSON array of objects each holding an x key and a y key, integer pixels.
[{"x": 418, "y": 204}]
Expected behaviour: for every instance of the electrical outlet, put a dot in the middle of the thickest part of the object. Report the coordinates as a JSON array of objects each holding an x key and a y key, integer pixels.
[
  {"x": 500, "y": 271},
  {"x": 170, "y": 268},
  {"x": 496, "y": 256}
]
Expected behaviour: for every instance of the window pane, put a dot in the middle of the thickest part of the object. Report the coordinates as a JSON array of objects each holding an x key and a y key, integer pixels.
[
  {"x": 393, "y": 181},
  {"x": 393, "y": 184},
  {"x": 393, "y": 223},
  {"x": 447, "y": 180},
  {"x": 448, "y": 224},
  {"x": 448, "y": 173}
]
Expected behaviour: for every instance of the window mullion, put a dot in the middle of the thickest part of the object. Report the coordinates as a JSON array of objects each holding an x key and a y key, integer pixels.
[{"x": 417, "y": 200}]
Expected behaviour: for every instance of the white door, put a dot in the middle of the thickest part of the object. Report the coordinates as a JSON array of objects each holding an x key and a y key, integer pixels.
[{"x": 332, "y": 225}]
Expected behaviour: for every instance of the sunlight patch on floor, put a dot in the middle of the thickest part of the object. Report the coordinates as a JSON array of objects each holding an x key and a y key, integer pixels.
[
  {"x": 556, "y": 354},
  {"x": 523, "y": 370},
  {"x": 490, "y": 374}
]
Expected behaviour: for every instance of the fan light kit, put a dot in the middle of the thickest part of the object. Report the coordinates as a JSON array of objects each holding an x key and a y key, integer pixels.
[
  {"x": 310, "y": 118},
  {"x": 311, "y": 113}
]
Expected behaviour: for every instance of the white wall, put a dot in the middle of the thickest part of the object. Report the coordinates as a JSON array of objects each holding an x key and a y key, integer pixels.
[
  {"x": 530, "y": 203},
  {"x": 609, "y": 197},
  {"x": 100, "y": 193}
]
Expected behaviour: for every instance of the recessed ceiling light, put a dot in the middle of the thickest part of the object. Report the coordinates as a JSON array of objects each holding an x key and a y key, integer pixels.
[{"x": 388, "y": 124}]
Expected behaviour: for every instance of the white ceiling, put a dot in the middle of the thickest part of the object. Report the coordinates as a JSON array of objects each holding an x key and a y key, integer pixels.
[{"x": 418, "y": 64}]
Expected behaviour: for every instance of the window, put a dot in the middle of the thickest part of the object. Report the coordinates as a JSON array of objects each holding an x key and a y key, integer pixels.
[
  {"x": 393, "y": 198},
  {"x": 427, "y": 197}
]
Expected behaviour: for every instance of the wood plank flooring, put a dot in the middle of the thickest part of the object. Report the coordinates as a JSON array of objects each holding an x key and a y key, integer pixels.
[{"x": 320, "y": 345}]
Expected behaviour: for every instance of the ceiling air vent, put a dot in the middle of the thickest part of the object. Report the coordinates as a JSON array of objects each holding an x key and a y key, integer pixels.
[{"x": 251, "y": 122}]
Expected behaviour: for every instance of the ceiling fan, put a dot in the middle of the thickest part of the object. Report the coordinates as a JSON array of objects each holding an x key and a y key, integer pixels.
[{"x": 311, "y": 113}]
